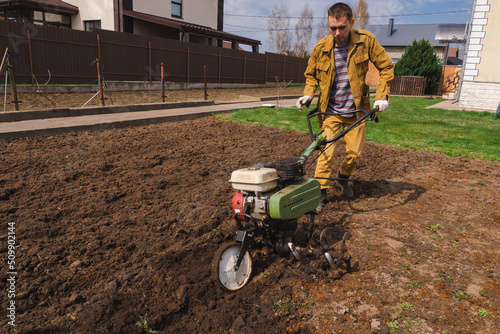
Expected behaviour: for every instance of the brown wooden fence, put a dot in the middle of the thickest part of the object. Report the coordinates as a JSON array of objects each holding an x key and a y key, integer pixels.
[
  {"x": 67, "y": 57},
  {"x": 406, "y": 85}
]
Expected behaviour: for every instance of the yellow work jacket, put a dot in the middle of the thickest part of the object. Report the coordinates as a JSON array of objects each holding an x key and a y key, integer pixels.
[{"x": 363, "y": 47}]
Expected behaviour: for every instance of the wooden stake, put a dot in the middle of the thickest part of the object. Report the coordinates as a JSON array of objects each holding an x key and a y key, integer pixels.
[
  {"x": 4, "y": 63},
  {"x": 13, "y": 87}
]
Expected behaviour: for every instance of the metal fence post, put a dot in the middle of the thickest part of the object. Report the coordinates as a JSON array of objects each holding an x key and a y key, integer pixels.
[
  {"x": 284, "y": 61},
  {"x": 245, "y": 70},
  {"x": 187, "y": 74},
  {"x": 220, "y": 64},
  {"x": 149, "y": 61},
  {"x": 162, "y": 84},
  {"x": 267, "y": 66},
  {"x": 30, "y": 54},
  {"x": 205, "y": 94}
]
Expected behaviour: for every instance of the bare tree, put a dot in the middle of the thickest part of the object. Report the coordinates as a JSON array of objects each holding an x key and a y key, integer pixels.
[
  {"x": 281, "y": 85},
  {"x": 323, "y": 29},
  {"x": 361, "y": 15},
  {"x": 278, "y": 27},
  {"x": 303, "y": 32}
]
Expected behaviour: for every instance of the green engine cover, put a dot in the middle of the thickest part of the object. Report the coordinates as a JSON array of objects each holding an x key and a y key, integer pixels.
[{"x": 295, "y": 200}]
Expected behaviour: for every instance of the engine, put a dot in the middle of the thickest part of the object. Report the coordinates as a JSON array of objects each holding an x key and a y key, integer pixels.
[{"x": 274, "y": 191}]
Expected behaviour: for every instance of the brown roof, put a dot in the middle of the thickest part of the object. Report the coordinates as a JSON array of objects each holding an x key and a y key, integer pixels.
[
  {"x": 452, "y": 52},
  {"x": 190, "y": 27},
  {"x": 229, "y": 45},
  {"x": 51, "y": 6}
]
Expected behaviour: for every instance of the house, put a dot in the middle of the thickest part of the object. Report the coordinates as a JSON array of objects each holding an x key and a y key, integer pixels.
[
  {"x": 186, "y": 20},
  {"x": 44, "y": 12},
  {"x": 454, "y": 58},
  {"x": 396, "y": 37},
  {"x": 480, "y": 80}
]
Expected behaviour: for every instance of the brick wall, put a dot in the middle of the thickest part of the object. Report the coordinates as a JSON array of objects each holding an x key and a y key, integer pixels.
[
  {"x": 481, "y": 81},
  {"x": 372, "y": 76},
  {"x": 450, "y": 79},
  {"x": 480, "y": 95}
]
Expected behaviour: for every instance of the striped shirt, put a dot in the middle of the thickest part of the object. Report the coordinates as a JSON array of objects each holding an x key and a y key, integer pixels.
[{"x": 341, "y": 99}]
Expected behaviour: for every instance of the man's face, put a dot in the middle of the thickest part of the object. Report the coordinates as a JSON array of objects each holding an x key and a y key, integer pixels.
[{"x": 340, "y": 28}]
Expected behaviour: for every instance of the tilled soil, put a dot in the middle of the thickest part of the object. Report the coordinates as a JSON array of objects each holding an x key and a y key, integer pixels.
[{"x": 115, "y": 232}]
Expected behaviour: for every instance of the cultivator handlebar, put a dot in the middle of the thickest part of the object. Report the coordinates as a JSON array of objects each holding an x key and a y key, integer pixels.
[
  {"x": 372, "y": 114},
  {"x": 318, "y": 140}
]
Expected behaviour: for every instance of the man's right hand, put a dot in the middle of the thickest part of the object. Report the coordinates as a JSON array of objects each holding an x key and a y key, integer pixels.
[{"x": 304, "y": 100}]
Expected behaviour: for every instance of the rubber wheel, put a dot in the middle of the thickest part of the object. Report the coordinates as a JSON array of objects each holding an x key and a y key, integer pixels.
[{"x": 223, "y": 271}]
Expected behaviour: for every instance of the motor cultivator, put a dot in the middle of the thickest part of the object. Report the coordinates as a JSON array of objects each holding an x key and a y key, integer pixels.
[{"x": 270, "y": 199}]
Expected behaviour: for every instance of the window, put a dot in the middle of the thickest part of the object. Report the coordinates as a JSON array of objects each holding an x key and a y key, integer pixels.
[
  {"x": 91, "y": 25},
  {"x": 176, "y": 8},
  {"x": 28, "y": 15},
  {"x": 57, "y": 20},
  {"x": 49, "y": 19}
]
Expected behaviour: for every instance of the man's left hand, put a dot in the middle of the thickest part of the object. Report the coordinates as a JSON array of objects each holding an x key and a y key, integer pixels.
[{"x": 381, "y": 104}]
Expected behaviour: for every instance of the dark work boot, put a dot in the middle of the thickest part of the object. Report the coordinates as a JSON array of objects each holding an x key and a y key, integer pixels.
[
  {"x": 322, "y": 201},
  {"x": 344, "y": 184}
]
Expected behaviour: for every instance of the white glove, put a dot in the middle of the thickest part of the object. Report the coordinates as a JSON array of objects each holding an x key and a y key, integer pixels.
[
  {"x": 381, "y": 104},
  {"x": 302, "y": 101}
]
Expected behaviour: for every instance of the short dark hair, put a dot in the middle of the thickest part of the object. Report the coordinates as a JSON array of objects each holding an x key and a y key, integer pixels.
[{"x": 339, "y": 10}]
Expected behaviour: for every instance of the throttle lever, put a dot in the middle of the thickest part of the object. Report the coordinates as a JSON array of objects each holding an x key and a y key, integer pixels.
[
  {"x": 308, "y": 103},
  {"x": 374, "y": 116}
]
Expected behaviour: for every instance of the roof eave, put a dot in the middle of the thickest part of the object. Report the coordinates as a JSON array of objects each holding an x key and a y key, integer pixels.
[
  {"x": 60, "y": 8},
  {"x": 190, "y": 27}
]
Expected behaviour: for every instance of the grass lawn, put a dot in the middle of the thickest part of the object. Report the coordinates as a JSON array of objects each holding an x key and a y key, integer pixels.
[{"x": 407, "y": 123}]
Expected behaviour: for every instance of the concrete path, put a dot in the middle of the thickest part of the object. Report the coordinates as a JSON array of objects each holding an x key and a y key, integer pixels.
[
  {"x": 119, "y": 118},
  {"x": 449, "y": 105}
]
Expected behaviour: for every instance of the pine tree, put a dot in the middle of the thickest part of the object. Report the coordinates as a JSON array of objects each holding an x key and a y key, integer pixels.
[{"x": 419, "y": 59}]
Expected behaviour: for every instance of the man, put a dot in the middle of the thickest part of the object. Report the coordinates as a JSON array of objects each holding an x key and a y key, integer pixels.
[{"x": 339, "y": 64}]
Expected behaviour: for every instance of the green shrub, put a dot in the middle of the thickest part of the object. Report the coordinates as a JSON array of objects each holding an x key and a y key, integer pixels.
[{"x": 419, "y": 59}]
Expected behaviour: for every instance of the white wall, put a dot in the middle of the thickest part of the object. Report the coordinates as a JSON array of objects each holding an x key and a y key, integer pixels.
[
  {"x": 90, "y": 10},
  {"x": 153, "y": 7},
  {"x": 481, "y": 75},
  {"x": 488, "y": 66},
  {"x": 202, "y": 12}
]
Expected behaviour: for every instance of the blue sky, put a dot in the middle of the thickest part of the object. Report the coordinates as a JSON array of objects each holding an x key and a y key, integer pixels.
[{"x": 249, "y": 18}]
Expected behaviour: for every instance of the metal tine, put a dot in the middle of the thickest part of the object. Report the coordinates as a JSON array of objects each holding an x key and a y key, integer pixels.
[
  {"x": 318, "y": 246},
  {"x": 322, "y": 238},
  {"x": 332, "y": 261},
  {"x": 315, "y": 242},
  {"x": 301, "y": 253},
  {"x": 343, "y": 247},
  {"x": 295, "y": 252},
  {"x": 335, "y": 258}
]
